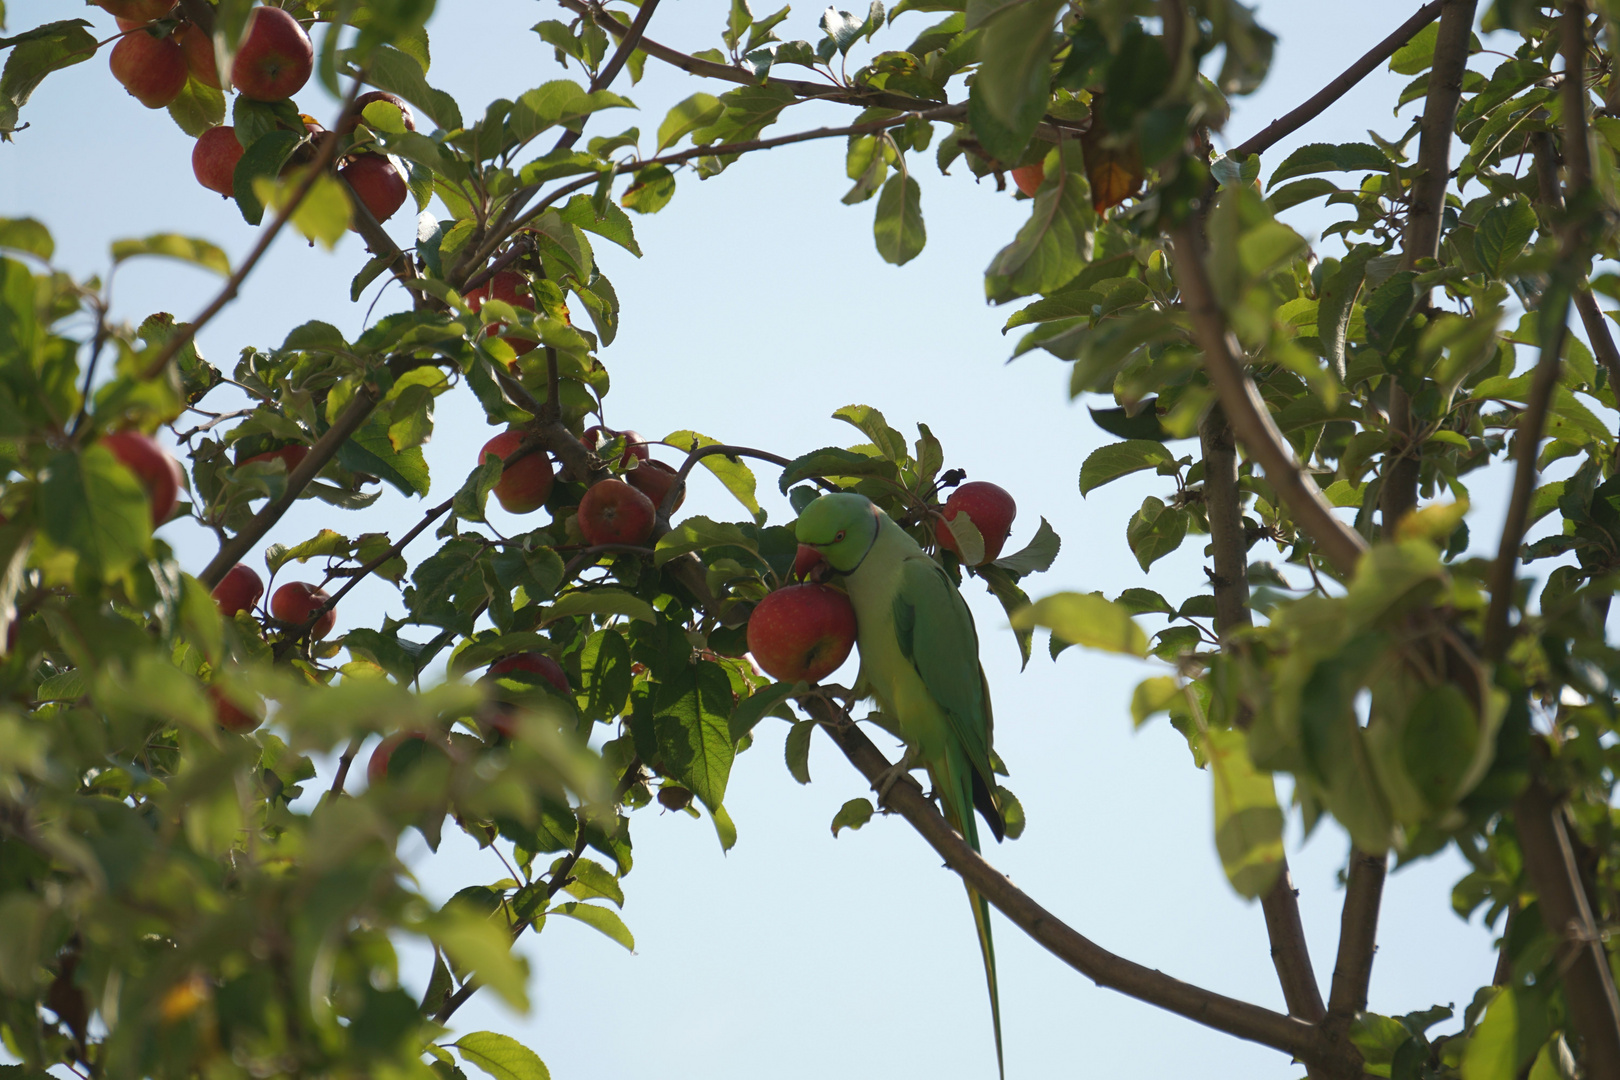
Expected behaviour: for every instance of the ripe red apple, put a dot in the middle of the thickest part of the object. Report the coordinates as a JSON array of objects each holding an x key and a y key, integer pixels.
[
  {"x": 992, "y": 511},
  {"x": 231, "y": 716},
  {"x": 138, "y": 11},
  {"x": 377, "y": 767},
  {"x": 613, "y": 512},
  {"x": 524, "y": 485},
  {"x": 654, "y": 479},
  {"x": 151, "y": 465},
  {"x": 376, "y": 183},
  {"x": 290, "y": 455},
  {"x": 296, "y": 601},
  {"x": 537, "y": 664},
  {"x": 1029, "y": 177},
  {"x": 370, "y": 96},
  {"x": 802, "y": 632},
  {"x": 199, "y": 50},
  {"x": 152, "y": 69},
  {"x": 507, "y": 285},
  {"x": 214, "y": 158},
  {"x": 635, "y": 443},
  {"x": 275, "y": 57},
  {"x": 238, "y": 590}
]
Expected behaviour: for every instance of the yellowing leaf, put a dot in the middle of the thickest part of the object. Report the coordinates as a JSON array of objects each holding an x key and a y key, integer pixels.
[{"x": 1085, "y": 619}]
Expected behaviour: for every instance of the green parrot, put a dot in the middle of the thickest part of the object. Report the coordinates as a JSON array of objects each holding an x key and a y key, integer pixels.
[{"x": 920, "y": 660}]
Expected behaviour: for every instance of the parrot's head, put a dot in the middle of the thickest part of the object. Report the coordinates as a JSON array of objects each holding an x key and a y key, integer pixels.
[{"x": 841, "y": 526}]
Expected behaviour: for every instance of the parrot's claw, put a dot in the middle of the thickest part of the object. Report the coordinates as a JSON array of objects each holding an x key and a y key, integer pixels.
[{"x": 891, "y": 776}]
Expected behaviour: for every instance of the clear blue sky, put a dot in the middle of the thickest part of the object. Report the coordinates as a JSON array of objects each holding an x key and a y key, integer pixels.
[{"x": 760, "y": 307}]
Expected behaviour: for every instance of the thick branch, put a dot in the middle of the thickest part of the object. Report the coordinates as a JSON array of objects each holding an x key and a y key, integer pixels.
[
  {"x": 1217, "y": 1011},
  {"x": 1290, "y": 952},
  {"x": 1247, "y": 412},
  {"x": 1318, "y": 102},
  {"x": 1358, "y": 935}
]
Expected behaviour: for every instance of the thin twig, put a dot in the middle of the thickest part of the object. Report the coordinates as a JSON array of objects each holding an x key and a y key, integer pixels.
[
  {"x": 317, "y": 168},
  {"x": 345, "y": 762},
  {"x": 1318, "y": 102},
  {"x": 610, "y": 71}
]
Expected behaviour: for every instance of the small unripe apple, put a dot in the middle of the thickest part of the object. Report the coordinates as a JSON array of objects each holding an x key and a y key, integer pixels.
[
  {"x": 231, "y": 716},
  {"x": 151, "y": 465},
  {"x": 535, "y": 664},
  {"x": 377, "y": 768},
  {"x": 238, "y": 590},
  {"x": 199, "y": 50},
  {"x": 377, "y": 184},
  {"x": 654, "y": 479},
  {"x": 296, "y": 601},
  {"x": 1029, "y": 177},
  {"x": 613, "y": 512},
  {"x": 802, "y": 632},
  {"x": 137, "y": 11},
  {"x": 992, "y": 510},
  {"x": 275, "y": 56},
  {"x": 290, "y": 455},
  {"x": 635, "y": 443},
  {"x": 152, "y": 69},
  {"x": 370, "y": 96},
  {"x": 214, "y": 158},
  {"x": 525, "y": 485}
]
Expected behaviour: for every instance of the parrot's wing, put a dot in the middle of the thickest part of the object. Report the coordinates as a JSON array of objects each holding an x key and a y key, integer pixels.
[{"x": 937, "y": 638}]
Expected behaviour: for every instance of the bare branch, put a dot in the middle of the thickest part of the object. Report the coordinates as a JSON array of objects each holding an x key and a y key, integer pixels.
[
  {"x": 610, "y": 71},
  {"x": 1358, "y": 936},
  {"x": 1319, "y": 102},
  {"x": 1247, "y": 412},
  {"x": 1239, "y": 1018}
]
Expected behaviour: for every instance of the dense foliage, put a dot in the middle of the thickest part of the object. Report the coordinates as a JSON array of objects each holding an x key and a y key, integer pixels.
[{"x": 165, "y": 911}]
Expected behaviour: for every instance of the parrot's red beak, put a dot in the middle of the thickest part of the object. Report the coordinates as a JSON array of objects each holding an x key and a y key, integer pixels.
[{"x": 807, "y": 562}]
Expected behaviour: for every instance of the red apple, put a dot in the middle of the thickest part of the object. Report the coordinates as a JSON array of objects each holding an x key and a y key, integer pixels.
[
  {"x": 370, "y": 96},
  {"x": 1029, "y": 177},
  {"x": 275, "y": 57},
  {"x": 524, "y": 485},
  {"x": 376, "y": 183},
  {"x": 199, "y": 50},
  {"x": 137, "y": 11},
  {"x": 296, "y": 601},
  {"x": 151, "y": 465},
  {"x": 654, "y": 479},
  {"x": 992, "y": 511},
  {"x": 377, "y": 767},
  {"x": 238, "y": 590},
  {"x": 802, "y": 632},
  {"x": 635, "y": 443},
  {"x": 290, "y": 455},
  {"x": 507, "y": 285},
  {"x": 613, "y": 512},
  {"x": 231, "y": 716},
  {"x": 536, "y": 664},
  {"x": 214, "y": 158},
  {"x": 152, "y": 69}
]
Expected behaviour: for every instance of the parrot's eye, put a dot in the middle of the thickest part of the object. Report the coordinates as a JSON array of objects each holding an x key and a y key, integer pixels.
[{"x": 839, "y": 538}]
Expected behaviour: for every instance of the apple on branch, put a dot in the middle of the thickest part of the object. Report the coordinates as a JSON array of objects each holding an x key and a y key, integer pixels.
[
  {"x": 152, "y": 69},
  {"x": 296, "y": 601},
  {"x": 613, "y": 512},
  {"x": 152, "y": 466},
  {"x": 525, "y": 485},
  {"x": 238, "y": 590},
  {"x": 275, "y": 57},
  {"x": 802, "y": 632},
  {"x": 991, "y": 510},
  {"x": 214, "y": 158}
]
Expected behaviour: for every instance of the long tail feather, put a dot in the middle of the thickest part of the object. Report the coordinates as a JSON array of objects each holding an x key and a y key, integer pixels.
[{"x": 957, "y": 791}]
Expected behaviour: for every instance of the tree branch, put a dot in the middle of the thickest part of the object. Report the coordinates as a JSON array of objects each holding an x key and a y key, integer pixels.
[
  {"x": 610, "y": 71},
  {"x": 1358, "y": 937},
  {"x": 1239, "y": 1018},
  {"x": 1318, "y": 102},
  {"x": 1247, "y": 412},
  {"x": 323, "y": 158},
  {"x": 1290, "y": 952}
]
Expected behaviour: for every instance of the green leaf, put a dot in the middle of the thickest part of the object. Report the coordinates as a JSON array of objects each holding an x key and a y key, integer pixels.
[
  {"x": 797, "y": 750},
  {"x": 852, "y": 815},
  {"x": 501, "y": 1056},
  {"x": 697, "y": 533},
  {"x": 370, "y": 450},
  {"x": 1144, "y": 602},
  {"x": 560, "y": 101},
  {"x": 1108, "y": 463},
  {"x": 324, "y": 213},
  {"x": 34, "y": 55},
  {"x": 91, "y": 505},
  {"x": 1333, "y": 311},
  {"x": 724, "y": 828},
  {"x": 1055, "y": 243},
  {"x": 1513, "y": 1028},
  {"x": 650, "y": 190},
  {"x": 611, "y": 223},
  {"x": 479, "y": 945},
  {"x": 1015, "y": 47},
  {"x": 1326, "y": 157},
  {"x": 1153, "y": 696},
  {"x": 1503, "y": 233},
  {"x": 834, "y": 463},
  {"x": 26, "y": 234},
  {"x": 198, "y": 108},
  {"x": 871, "y": 423},
  {"x": 691, "y": 725},
  {"x": 697, "y": 111},
  {"x": 264, "y": 158},
  {"x": 169, "y": 245},
  {"x": 600, "y": 602},
  {"x": 1418, "y": 53},
  {"x": 1085, "y": 619},
  {"x": 593, "y": 881},
  {"x": 1155, "y": 531},
  {"x": 1248, "y": 821},
  {"x": 324, "y": 543},
  {"x": 1035, "y": 556},
  {"x": 605, "y": 675},
  {"x": 737, "y": 477},
  {"x": 601, "y": 919},
  {"x": 387, "y": 68},
  {"x": 766, "y": 701},
  {"x": 898, "y": 226}
]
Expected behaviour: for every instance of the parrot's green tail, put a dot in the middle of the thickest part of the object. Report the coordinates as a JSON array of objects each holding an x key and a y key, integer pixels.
[{"x": 958, "y": 801}]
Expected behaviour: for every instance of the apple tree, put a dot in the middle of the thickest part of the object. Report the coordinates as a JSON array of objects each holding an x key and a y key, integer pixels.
[{"x": 1313, "y": 416}]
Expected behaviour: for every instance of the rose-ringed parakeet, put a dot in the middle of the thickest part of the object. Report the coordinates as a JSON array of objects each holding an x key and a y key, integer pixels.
[{"x": 920, "y": 660}]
